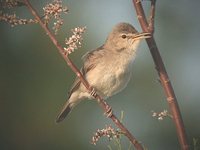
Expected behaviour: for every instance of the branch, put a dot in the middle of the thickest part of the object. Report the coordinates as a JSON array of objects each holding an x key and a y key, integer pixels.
[
  {"x": 107, "y": 109},
  {"x": 171, "y": 98},
  {"x": 152, "y": 16}
]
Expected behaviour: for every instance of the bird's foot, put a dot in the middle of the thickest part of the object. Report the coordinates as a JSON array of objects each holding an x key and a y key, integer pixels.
[
  {"x": 93, "y": 92},
  {"x": 109, "y": 111}
]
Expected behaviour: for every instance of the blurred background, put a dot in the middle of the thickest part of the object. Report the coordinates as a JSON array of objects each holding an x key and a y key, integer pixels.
[{"x": 34, "y": 79}]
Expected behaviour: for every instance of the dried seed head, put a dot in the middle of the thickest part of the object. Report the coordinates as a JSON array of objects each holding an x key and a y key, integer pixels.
[
  {"x": 13, "y": 20},
  {"x": 57, "y": 25},
  {"x": 109, "y": 132},
  {"x": 161, "y": 115},
  {"x": 74, "y": 41},
  {"x": 54, "y": 10},
  {"x": 10, "y": 3}
]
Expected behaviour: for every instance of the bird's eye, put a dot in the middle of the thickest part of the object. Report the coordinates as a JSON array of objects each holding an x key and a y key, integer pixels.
[{"x": 123, "y": 36}]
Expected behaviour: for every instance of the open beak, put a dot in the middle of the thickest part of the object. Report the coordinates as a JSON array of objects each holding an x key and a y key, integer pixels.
[{"x": 143, "y": 35}]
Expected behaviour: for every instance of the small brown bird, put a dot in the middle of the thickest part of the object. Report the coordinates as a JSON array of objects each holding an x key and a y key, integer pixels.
[{"x": 108, "y": 68}]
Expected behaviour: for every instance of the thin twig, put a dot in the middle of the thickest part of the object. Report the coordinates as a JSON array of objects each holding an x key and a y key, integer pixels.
[
  {"x": 171, "y": 98},
  {"x": 152, "y": 16},
  {"x": 107, "y": 109}
]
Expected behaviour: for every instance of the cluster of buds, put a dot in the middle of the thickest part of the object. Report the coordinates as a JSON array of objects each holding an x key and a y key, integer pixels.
[
  {"x": 54, "y": 10},
  {"x": 109, "y": 132},
  {"x": 10, "y": 3},
  {"x": 75, "y": 40},
  {"x": 13, "y": 20},
  {"x": 161, "y": 115},
  {"x": 57, "y": 25}
]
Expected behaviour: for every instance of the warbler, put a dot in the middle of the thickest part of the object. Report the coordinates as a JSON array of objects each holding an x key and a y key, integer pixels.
[{"x": 108, "y": 68}]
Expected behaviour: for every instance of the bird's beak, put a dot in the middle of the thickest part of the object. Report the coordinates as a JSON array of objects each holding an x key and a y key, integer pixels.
[{"x": 143, "y": 35}]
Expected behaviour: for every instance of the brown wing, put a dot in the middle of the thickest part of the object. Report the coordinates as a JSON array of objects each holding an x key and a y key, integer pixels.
[{"x": 90, "y": 60}]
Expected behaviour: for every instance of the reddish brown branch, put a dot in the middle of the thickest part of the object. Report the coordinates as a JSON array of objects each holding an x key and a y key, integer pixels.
[
  {"x": 152, "y": 16},
  {"x": 171, "y": 98},
  {"x": 107, "y": 109}
]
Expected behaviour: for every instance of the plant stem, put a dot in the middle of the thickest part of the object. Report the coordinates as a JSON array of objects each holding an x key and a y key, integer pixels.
[{"x": 171, "y": 98}]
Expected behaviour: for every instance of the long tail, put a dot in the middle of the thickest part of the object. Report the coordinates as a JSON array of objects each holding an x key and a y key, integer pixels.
[{"x": 64, "y": 112}]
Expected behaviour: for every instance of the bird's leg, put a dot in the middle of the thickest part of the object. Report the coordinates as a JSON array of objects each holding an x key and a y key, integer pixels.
[{"x": 108, "y": 111}]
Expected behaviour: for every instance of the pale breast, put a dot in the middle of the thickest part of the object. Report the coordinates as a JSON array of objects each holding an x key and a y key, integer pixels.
[{"x": 111, "y": 78}]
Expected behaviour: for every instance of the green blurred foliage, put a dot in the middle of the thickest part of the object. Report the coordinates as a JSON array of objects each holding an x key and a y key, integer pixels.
[{"x": 34, "y": 79}]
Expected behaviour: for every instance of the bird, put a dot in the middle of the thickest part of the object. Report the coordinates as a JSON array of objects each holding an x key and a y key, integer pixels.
[{"x": 107, "y": 68}]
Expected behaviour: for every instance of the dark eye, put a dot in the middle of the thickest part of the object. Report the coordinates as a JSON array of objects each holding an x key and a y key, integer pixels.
[{"x": 123, "y": 36}]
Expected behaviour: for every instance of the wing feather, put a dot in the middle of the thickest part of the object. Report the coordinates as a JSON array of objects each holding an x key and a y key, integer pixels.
[{"x": 90, "y": 60}]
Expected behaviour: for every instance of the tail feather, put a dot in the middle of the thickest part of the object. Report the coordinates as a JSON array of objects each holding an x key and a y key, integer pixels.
[{"x": 64, "y": 112}]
